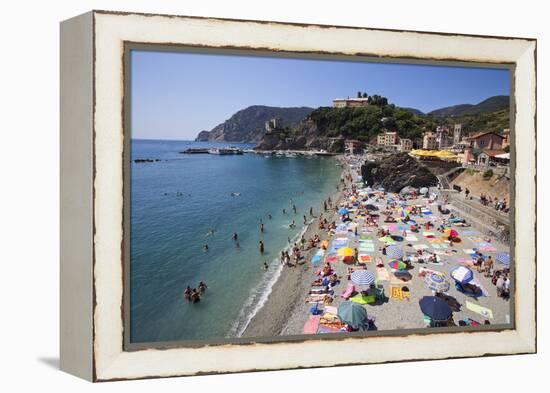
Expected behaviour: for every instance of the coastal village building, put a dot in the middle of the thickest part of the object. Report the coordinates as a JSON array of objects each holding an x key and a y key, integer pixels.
[
  {"x": 353, "y": 146},
  {"x": 349, "y": 102},
  {"x": 405, "y": 145},
  {"x": 488, "y": 157},
  {"x": 457, "y": 134},
  {"x": 273, "y": 124},
  {"x": 429, "y": 141},
  {"x": 506, "y": 136},
  {"x": 443, "y": 137},
  {"x": 387, "y": 139},
  {"x": 486, "y": 140}
]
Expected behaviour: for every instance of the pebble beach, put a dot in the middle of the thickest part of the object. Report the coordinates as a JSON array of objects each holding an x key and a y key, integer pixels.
[{"x": 288, "y": 309}]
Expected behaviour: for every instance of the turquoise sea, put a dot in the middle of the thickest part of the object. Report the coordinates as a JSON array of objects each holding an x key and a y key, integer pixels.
[{"x": 176, "y": 201}]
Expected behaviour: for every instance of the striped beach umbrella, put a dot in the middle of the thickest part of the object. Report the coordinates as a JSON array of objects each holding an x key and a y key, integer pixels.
[
  {"x": 462, "y": 274},
  {"x": 437, "y": 282},
  {"x": 397, "y": 265},
  {"x": 394, "y": 252},
  {"x": 503, "y": 257},
  {"x": 362, "y": 277}
]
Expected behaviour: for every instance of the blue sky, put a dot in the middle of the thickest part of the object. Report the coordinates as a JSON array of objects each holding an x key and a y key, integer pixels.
[{"x": 176, "y": 95}]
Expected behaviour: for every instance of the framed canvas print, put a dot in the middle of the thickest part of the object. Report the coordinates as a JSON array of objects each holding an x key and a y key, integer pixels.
[{"x": 247, "y": 195}]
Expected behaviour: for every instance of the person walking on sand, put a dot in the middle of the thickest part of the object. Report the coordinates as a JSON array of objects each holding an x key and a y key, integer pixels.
[
  {"x": 261, "y": 247},
  {"x": 488, "y": 266}
]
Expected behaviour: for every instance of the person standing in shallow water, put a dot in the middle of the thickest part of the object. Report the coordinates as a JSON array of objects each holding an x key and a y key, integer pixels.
[
  {"x": 262, "y": 228},
  {"x": 261, "y": 247},
  {"x": 235, "y": 236}
]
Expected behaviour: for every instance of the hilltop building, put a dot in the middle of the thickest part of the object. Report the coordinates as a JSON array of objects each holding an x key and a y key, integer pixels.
[
  {"x": 273, "y": 124},
  {"x": 349, "y": 102}
]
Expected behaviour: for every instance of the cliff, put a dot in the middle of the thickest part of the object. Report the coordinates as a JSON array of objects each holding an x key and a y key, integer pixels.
[{"x": 248, "y": 125}]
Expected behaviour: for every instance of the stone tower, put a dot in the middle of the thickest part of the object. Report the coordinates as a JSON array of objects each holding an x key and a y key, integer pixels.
[{"x": 457, "y": 134}]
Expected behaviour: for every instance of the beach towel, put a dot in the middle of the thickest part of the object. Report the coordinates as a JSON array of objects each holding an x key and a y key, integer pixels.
[
  {"x": 323, "y": 329},
  {"x": 469, "y": 251},
  {"x": 348, "y": 292},
  {"x": 411, "y": 238},
  {"x": 382, "y": 274},
  {"x": 420, "y": 247},
  {"x": 363, "y": 299},
  {"x": 483, "y": 311},
  {"x": 331, "y": 310},
  {"x": 331, "y": 258},
  {"x": 315, "y": 259},
  {"x": 365, "y": 258},
  {"x": 312, "y": 324},
  {"x": 396, "y": 293}
]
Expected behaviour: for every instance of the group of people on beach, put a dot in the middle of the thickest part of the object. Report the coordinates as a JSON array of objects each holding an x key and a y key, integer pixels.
[{"x": 193, "y": 295}]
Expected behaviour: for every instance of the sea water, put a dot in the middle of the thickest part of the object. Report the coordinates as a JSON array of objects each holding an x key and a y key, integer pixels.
[{"x": 177, "y": 201}]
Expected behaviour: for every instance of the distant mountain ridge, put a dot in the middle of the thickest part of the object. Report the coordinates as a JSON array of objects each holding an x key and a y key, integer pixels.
[
  {"x": 491, "y": 104},
  {"x": 248, "y": 125}
]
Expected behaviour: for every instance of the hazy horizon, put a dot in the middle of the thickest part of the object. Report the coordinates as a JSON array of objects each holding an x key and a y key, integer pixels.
[{"x": 176, "y": 95}]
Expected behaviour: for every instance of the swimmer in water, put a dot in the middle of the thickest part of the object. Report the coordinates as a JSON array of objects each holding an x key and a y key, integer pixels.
[{"x": 205, "y": 248}]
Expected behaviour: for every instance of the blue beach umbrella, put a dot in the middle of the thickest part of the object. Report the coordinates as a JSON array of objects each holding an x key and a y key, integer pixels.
[
  {"x": 462, "y": 274},
  {"x": 362, "y": 277},
  {"x": 353, "y": 314},
  {"x": 503, "y": 257},
  {"x": 394, "y": 252},
  {"x": 343, "y": 211},
  {"x": 435, "y": 308},
  {"x": 437, "y": 282}
]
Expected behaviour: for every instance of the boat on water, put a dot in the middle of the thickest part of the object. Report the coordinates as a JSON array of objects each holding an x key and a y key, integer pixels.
[
  {"x": 195, "y": 151},
  {"x": 225, "y": 151}
]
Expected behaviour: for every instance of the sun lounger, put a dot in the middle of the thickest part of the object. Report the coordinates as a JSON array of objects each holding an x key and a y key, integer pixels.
[{"x": 348, "y": 292}]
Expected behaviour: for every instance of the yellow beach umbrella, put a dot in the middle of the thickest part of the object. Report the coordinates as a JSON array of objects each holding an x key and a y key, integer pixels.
[{"x": 346, "y": 252}]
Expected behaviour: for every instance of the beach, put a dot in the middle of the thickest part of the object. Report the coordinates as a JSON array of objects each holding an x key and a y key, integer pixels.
[{"x": 286, "y": 312}]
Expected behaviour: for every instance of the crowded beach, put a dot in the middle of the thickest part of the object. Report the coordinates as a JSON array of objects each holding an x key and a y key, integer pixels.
[{"x": 375, "y": 260}]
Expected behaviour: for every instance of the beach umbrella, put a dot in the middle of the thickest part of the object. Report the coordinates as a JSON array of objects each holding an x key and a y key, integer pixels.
[
  {"x": 362, "y": 277},
  {"x": 346, "y": 252},
  {"x": 397, "y": 265},
  {"x": 435, "y": 308},
  {"x": 503, "y": 257},
  {"x": 462, "y": 274},
  {"x": 437, "y": 282},
  {"x": 353, "y": 314},
  {"x": 343, "y": 211},
  {"x": 394, "y": 252},
  {"x": 424, "y": 190}
]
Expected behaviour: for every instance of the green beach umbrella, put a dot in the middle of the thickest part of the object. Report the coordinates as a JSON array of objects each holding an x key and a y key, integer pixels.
[{"x": 353, "y": 314}]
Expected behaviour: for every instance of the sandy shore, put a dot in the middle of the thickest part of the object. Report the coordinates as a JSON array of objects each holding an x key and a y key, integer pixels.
[{"x": 287, "y": 296}]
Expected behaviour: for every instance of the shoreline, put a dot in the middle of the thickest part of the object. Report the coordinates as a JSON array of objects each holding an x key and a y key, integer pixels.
[{"x": 291, "y": 287}]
